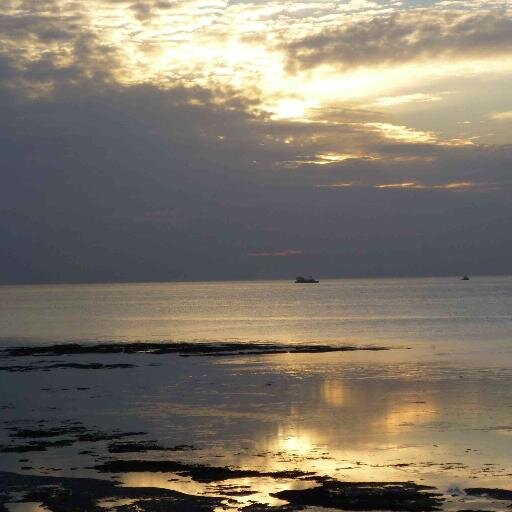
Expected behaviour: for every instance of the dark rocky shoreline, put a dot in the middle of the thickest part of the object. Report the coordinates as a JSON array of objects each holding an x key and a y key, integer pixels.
[
  {"x": 182, "y": 349},
  {"x": 63, "y": 494},
  {"x": 60, "y": 494}
]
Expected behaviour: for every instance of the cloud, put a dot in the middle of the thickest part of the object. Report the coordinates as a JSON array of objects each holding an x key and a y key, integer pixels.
[
  {"x": 279, "y": 254},
  {"x": 402, "y": 133},
  {"x": 391, "y": 101},
  {"x": 501, "y": 116},
  {"x": 44, "y": 49},
  {"x": 405, "y": 36},
  {"x": 464, "y": 185},
  {"x": 412, "y": 185}
]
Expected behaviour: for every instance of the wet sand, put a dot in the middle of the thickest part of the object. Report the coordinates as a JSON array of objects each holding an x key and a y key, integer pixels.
[{"x": 258, "y": 429}]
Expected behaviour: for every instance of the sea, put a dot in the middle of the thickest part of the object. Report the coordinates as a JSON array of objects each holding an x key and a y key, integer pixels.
[
  {"x": 434, "y": 408},
  {"x": 420, "y": 311}
]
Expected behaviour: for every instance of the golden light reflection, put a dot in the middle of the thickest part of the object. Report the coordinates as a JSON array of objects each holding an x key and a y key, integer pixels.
[
  {"x": 337, "y": 185},
  {"x": 110, "y": 503},
  {"x": 297, "y": 443},
  {"x": 402, "y": 133},
  {"x": 408, "y": 184},
  {"x": 325, "y": 159},
  {"x": 409, "y": 415},
  {"x": 501, "y": 116},
  {"x": 26, "y": 507},
  {"x": 261, "y": 487},
  {"x": 355, "y": 430},
  {"x": 334, "y": 393},
  {"x": 420, "y": 186},
  {"x": 391, "y": 101},
  {"x": 329, "y": 158}
]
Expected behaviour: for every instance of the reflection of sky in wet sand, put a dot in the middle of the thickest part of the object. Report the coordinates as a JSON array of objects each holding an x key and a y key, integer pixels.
[
  {"x": 26, "y": 507},
  {"x": 379, "y": 427},
  {"x": 243, "y": 490},
  {"x": 393, "y": 415},
  {"x": 115, "y": 502}
]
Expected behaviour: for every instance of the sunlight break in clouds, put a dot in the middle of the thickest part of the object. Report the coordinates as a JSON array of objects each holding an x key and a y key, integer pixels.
[
  {"x": 420, "y": 186},
  {"x": 501, "y": 116},
  {"x": 286, "y": 59},
  {"x": 402, "y": 133},
  {"x": 391, "y": 101}
]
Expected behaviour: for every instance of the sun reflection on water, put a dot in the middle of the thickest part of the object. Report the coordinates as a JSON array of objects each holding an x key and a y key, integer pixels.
[
  {"x": 334, "y": 394},
  {"x": 295, "y": 444},
  {"x": 241, "y": 491}
]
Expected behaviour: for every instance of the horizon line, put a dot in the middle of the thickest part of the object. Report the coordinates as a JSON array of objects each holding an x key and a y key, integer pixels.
[{"x": 247, "y": 280}]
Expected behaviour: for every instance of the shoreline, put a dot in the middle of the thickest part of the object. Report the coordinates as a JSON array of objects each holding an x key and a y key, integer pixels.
[{"x": 258, "y": 430}]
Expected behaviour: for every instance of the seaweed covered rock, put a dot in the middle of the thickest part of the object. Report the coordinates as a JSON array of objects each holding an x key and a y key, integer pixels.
[{"x": 396, "y": 496}]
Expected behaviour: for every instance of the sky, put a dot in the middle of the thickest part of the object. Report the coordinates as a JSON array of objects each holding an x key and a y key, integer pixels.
[{"x": 163, "y": 140}]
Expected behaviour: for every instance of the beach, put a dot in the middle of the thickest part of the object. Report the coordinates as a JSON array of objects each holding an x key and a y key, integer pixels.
[{"x": 388, "y": 394}]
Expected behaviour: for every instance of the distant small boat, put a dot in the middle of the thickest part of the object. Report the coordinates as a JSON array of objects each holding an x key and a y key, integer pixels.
[
  {"x": 465, "y": 277},
  {"x": 309, "y": 279}
]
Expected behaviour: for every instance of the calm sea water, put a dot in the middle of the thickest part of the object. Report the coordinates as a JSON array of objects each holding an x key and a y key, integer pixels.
[
  {"x": 397, "y": 311},
  {"x": 439, "y": 413}
]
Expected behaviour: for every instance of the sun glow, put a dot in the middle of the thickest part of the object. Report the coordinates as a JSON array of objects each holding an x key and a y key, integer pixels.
[
  {"x": 402, "y": 133},
  {"x": 213, "y": 43},
  {"x": 289, "y": 109},
  {"x": 223, "y": 46},
  {"x": 294, "y": 441},
  {"x": 296, "y": 444}
]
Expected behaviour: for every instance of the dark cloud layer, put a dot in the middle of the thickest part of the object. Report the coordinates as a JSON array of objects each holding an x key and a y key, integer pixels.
[
  {"x": 133, "y": 184},
  {"x": 405, "y": 36}
]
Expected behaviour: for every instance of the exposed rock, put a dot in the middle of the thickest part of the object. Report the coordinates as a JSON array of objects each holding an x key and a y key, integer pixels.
[
  {"x": 497, "y": 494},
  {"x": 198, "y": 472},
  {"x": 145, "y": 446},
  {"x": 82, "y": 495},
  {"x": 64, "y": 366},
  {"x": 395, "y": 496},
  {"x": 200, "y": 349}
]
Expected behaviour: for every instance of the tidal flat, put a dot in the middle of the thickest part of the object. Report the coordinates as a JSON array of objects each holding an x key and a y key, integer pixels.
[{"x": 315, "y": 428}]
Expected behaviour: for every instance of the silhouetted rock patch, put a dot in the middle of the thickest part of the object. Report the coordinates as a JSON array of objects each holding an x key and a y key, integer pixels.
[
  {"x": 64, "y": 366},
  {"x": 82, "y": 495},
  {"x": 47, "y": 432},
  {"x": 185, "y": 349},
  {"x": 257, "y": 507},
  {"x": 497, "y": 494},
  {"x": 145, "y": 446},
  {"x": 35, "y": 446},
  {"x": 198, "y": 472},
  {"x": 104, "y": 436},
  {"x": 40, "y": 439},
  {"x": 396, "y": 496}
]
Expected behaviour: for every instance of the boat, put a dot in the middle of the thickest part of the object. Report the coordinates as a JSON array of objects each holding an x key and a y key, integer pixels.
[
  {"x": 465, "y": 277},
  {"x": 310, "y": 279}
]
